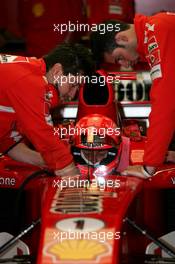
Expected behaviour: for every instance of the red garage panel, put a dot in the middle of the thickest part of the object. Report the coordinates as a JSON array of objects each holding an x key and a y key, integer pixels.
[
  {"x": 38, "y": 19},
  {"x": 110, "y": 9}
]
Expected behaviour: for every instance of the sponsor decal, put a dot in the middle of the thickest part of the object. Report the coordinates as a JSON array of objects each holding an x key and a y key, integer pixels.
[
  {"x": 154, "y": 58},
  {"x": 152, "y": 44},
  {"x": 7, "y": 58},
  {"x": 76, "y": 249},
  {"x": 156, "y": 72},
  {"x": 150, "y": 27},
  {"x": 137, "y": 155},
  {"x": 80, "y": 223},
  {"x": 4, "y": 58}
]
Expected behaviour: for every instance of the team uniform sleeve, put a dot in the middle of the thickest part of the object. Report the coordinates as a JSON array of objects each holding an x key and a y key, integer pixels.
[
  {"x": 27, "y": 97},
  {"x": 162, "y": 117}
]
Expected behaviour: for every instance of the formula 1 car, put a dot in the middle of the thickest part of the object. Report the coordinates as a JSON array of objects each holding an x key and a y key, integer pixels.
[{"x": 99, "y": 217}]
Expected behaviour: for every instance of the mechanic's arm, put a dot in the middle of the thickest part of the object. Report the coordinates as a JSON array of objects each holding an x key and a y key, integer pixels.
[
  {"x": 162, "y": 117},
  {"x": 24, "y": 154},
  {"x": 28, "y": 99},
  {"x": 70, "y": 170},
  {"x": 161, "y": 127},
  {"x": 144, "y": 172}
]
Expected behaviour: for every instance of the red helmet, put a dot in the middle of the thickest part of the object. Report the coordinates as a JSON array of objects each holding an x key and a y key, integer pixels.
[{"x": 98, "y": 145}]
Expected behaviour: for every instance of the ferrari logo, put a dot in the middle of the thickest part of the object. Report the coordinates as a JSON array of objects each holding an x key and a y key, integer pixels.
[
  {"x": 150, "y": 27},
  {"x": 38, "y": 10}
]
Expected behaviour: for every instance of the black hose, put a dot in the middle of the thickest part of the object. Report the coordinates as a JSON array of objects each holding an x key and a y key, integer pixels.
[
  {"x": 21, "y": 189},
  {"x": 163, "y": 245},
  {"x": 16, "y": 209},
  {"x": 12, "y": 146},
  {"x": 13, "y": 240}
]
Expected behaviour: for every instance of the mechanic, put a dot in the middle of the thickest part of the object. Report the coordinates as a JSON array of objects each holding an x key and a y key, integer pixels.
[
  {"x": 27, "y": 87},
  {"x": 149, "y": 39}
]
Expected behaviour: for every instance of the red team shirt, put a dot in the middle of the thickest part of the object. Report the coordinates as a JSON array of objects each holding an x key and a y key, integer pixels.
[
  {"x": 25, "y": 99},
  {"x": 156, "y": 44}
]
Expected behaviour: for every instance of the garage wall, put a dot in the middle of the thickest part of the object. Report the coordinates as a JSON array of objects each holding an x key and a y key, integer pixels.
[{"x": 149, "y": 7}]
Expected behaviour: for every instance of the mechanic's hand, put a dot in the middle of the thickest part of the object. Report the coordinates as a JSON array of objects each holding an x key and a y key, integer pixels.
[
  {"x": 68, "y": 171},
  {"x": 170, "y": 157},
  {"x": 137, "y": 171}
]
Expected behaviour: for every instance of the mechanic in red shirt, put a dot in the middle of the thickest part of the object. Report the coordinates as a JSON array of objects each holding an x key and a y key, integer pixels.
[
  {"x": 27, "y": 87},
  {"x": 149, "y": 39}
]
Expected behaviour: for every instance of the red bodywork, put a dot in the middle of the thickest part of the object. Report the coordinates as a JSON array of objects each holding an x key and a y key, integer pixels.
[
  {"x": 99, "y": 211},
  {"x": 141, "y": 200}
]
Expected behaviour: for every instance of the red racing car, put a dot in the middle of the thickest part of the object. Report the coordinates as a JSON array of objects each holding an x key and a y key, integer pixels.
[{"x": 100, "y": 216}]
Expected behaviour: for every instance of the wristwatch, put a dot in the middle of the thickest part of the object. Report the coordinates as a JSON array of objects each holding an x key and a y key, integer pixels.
[{"x": 148, "y": 171}]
